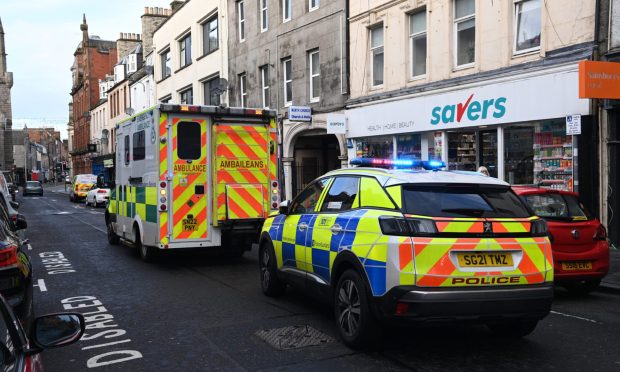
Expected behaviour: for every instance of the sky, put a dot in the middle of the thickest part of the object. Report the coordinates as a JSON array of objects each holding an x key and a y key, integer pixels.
[{"x": 40, "y": 39}]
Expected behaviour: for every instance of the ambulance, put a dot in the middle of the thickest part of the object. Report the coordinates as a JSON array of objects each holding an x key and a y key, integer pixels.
[
  {"x": 201, "y": 177},
  {"x": 80, "y": 186}
]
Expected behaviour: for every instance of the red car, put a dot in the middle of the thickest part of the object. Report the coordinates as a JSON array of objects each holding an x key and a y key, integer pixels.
[{"x": 578, "y": 240}]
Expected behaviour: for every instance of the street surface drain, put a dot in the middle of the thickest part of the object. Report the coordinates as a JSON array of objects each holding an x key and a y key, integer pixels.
[{"x": 294, "y": 337}]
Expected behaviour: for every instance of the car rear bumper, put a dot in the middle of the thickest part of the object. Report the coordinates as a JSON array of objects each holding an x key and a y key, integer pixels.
[
  {"x": 480, "y": 304},
  {"x": 597, "y": 256}
]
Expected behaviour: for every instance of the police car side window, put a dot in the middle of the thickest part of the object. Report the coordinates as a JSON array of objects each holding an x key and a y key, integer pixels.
[
  {"x": 341, "y": 195},
  {"x": 306, "y": 201}
]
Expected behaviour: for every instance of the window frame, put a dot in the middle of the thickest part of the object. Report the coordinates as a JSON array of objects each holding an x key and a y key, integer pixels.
[
  {"x": 286, "y": 80},
  {"x": 311, "y": 76},
  {"x": 284, "y": 12},
  {"x": 264, "y": 85},
  {"x": 312, "y": 8},
  {"x": 137, "y": 145},
  {"x": 416, "y": 36},
  {"x": 207, "y": 94},
  {"x": 243, "y": 89},
  {"x": 241, "y": 20},
  {"x": 184, "y": 92},
  {"x": 331, "y": 185},
  {"x": 206, "y": 40},
  {"x": 295, "y": 202},
  {"x": 185, "y": 50},
  {"x": 264, "y": 15},
  {"x": 372, "y": 55},
  {"x": 515, "y": 28},
  {"x": 181, "y": 149},
  {"x": 456, "y": 22},
  {"x": 166, "y": 63}
]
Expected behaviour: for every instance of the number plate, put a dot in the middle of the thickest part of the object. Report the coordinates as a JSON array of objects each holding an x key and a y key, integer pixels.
[
  {"x": 572, "y": 266},
  {"x": 484, "y": 259}
]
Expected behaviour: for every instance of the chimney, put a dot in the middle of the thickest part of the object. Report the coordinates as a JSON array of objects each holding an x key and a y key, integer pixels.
[
  {"x": 176, "y": 4},
  {"x": 151, "y": 20},
  {"x": 126, "y": 43}
]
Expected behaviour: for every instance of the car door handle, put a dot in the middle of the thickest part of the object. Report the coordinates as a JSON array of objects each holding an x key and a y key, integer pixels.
[
  {"x": 303, "y": 226},
  {"x": 336, "y": 229}
]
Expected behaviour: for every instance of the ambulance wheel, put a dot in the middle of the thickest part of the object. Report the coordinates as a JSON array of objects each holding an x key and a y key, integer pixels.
[
  {"x": 357, "y": 325},
  {"x": 514, "y": 329},
  {"x": 112, "y": 237},
  {"x": 146, "y": 253},
  {"x": 271, "y": 285}
]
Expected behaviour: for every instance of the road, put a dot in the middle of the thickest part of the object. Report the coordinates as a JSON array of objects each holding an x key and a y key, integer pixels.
[{"x": 192, "y": 312}]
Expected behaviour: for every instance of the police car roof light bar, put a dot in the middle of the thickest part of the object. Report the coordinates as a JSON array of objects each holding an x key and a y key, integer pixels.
[{"x": 398, "y": 163}]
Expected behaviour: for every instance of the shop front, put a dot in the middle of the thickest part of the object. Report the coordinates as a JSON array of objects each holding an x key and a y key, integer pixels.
[{"x": 516, "y": 127}]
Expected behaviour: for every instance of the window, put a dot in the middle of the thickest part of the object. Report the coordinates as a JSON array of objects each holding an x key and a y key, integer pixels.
[
  {"x": 264, "y": 16},
  {"x": 288, "y": 81},
  {"x": 243, "y": 94},
  {"x": 166, "y": 66},
  {"x": 527, "y": 25},
  {"x": 376, "y": 55},
  {"x": 557, "y": 206},
  {"x": 287, "y": 11},
  {"x": 165, "y": 99},
  {"x": 313, "y": 5},
  {"x": 185, "y": 47},
  {"x": 211, "y": 96},
  {"x": 306, "y": 201},
  {"x": 187, "y": 97},
  {"x": 342, "y": 195},
  {"x": 264, "y": 84},
  {"x": 241, "y": 15},
  {"x": 417, "y": 43},
  {"x": 314, "y": 75},
  {"x": 126, "y": 150},
  {"x": 138, "y": 145},
  {"x": 465, "y": 31},
  {"x": 188, "y": 140},
  {"x": 209, "y": 36}
]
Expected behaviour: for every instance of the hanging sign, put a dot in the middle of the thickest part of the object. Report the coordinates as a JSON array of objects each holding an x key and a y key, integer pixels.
[{"x": 573, "y": 125}]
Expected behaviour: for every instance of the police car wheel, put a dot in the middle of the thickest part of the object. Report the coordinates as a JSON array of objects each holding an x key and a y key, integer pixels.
[
  {"x": 271, "y": 285},
  {"x": 356, "y": 324},
  {"x": 514, "y": 329}
]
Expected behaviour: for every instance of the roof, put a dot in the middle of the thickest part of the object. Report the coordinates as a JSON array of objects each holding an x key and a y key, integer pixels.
[{"x": 389, "y": 177}]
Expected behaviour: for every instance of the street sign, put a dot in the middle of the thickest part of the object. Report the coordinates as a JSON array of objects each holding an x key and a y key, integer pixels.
[
  {"x": 299, "y": 113},
  {"x": 336, "y": 124},
  {"x": 573, "y": 125}
]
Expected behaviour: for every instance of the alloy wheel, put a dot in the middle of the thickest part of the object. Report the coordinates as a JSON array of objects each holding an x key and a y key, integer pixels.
[
  {"x": 349, "y": 307},
  {"x": 265, "y": 275}
]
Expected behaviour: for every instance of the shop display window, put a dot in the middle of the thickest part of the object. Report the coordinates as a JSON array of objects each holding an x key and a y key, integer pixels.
[
  {"x": 488, "y": 151},
  {"x": 409, "y": 146},
  {"x": 519, "y": 155},
  {"x": 462, "y": 151},
  {"x": 375, "y": 147}
]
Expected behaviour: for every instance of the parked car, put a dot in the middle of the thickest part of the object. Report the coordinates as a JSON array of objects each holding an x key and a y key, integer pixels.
[
  {"x": 33, "y": 188},
  {"x": 80, "y": 186},
  {"x": 578, "y": 240},
  {"x": 21, "y": 350},
  {"x": 97, "y": 196}
]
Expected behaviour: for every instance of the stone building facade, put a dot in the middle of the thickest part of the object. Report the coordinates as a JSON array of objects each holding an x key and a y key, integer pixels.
[{"x": 6, "y": 115}]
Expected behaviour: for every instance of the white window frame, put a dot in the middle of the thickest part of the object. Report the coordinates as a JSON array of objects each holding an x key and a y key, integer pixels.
[
  {"x": 315, "y": 7},
  {"x": 372, "y": 54},
  {"x": 290, "y": 10},
  {"x": 264, "y": 84},
  {"x": 516, "y": 4},
  {"x": 311, "y": 76},
  {"x": 287, "y": 79},
  {"x": 264, "y": 15},
  {"x": 455, "y": 35},
  {"x": 240, "y": 20},
  {"x": 243, "y": 91},
  {"x": 412, "y": 38},
  {"x": 185, "y": 55}
]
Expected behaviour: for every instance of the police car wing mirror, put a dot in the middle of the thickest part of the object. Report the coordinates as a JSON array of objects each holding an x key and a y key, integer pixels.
[{"x": 283, "y": 208}]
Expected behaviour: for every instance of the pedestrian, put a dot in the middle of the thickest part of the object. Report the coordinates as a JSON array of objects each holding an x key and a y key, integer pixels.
[{"x": 483, "y": 170}]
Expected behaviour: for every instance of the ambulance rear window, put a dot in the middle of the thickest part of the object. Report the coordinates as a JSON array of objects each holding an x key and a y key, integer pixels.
[
  {"x": 463, "y": 201},
  {"x": 188, "y": 140}
]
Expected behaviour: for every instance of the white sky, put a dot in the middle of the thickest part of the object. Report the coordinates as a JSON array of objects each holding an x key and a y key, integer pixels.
[{"x": 41, "y": 37}]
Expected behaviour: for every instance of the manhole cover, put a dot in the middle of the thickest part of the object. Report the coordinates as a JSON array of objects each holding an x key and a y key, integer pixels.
[{"x": 294, "y": 337}]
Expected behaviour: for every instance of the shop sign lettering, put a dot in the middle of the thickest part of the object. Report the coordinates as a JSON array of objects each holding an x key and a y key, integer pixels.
[
  {"x": 473, "y": 109},
  {"x": 391, "y": 126}
]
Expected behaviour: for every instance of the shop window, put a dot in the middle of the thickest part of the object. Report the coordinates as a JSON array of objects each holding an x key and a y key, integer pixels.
[
  {"x": 527, "y": 25},
  {"x": 465, "y": 31},
  {"x": 375, "y": 147},
  {"x": 462, "y": 151},
  {"x": 519, "y": 155},
  {"x": 409, "y": 146},
  {"x": 488, "y": 151}
]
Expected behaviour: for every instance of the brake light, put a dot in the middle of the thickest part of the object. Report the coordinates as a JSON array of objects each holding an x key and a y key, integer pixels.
[
  {"x": 14, "y": 218},
  {"x": 402, "y": 308},
  {"x": 539, "y": 228},
  {"x": 8, "y": 256},
  {"x": 101, "y": 192},
  {"x": 394, "y": 226},
  {"x": 601, "y": 233}
]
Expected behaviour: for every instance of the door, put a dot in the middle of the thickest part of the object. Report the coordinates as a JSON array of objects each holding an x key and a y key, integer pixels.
[{"x": 189, "y": 218}]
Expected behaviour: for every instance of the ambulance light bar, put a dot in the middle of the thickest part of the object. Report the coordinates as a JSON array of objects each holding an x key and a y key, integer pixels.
[
  {"x": 398, "y": 163},
  {"x": 220, "y": 110}
]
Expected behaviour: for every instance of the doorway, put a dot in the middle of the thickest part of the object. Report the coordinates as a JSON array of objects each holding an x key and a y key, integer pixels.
[{"x": 314, "y": 156}]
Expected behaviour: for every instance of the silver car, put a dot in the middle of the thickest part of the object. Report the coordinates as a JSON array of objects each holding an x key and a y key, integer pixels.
[{"x": 33, "y": 188}]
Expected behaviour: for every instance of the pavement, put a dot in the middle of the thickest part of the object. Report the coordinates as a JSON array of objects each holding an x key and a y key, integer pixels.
[{"x": 609, "y": 282}]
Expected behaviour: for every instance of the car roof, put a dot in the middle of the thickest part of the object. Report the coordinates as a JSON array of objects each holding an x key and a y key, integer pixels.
[
  {"x": 532, "y": 190},
  {"x": 390, "y": 177}
]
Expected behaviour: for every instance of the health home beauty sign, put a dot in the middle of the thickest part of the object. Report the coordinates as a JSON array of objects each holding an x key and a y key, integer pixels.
[{"x": 535, "y": 97}]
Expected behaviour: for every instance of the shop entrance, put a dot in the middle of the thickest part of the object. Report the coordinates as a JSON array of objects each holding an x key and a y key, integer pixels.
[
  {"x": 314, "y": 156},
  {"x": 471, "y": 150}
]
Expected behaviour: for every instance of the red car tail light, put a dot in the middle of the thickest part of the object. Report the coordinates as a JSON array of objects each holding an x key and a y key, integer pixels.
[
  {"x": 8, "y": 256},
  {"x": 101, "y": 191},
  {"x": 14, "y": 218},
  {"x": 601, "y": 233}
]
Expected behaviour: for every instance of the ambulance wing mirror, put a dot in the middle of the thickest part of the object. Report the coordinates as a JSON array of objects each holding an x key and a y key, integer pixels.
[{"x": 283, "y": 209}]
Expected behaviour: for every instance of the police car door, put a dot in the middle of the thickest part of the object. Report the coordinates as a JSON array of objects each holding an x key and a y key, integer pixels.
[{"x": 189, "y": 220}]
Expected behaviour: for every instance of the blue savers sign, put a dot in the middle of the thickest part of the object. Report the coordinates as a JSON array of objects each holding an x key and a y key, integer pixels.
[{"x": 299, "y": 113}]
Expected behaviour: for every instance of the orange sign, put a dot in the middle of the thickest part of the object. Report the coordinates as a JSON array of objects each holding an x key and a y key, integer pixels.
[{"x": 599, "y": 79}]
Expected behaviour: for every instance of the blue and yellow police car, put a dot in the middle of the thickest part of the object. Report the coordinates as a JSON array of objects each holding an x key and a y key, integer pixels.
[{"x": 420, "y": 246}]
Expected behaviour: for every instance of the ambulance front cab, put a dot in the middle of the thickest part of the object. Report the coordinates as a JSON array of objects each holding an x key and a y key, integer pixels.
[
  {"x": 80, "y": 186},
  {"x": 412, "y": 246}
]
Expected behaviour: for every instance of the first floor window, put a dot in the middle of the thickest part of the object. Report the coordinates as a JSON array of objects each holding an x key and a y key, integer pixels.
[
  {"x": 166, "y": 66},
  {"x": 287, "y": 11},
  {"x": 187, "y": 97},
  {"x": 209, "y": 35},
  {"x": 417, "y": 37},
  {"x": 243, "y": 90},
  {"x": 241, "y": 18},
  {"x": 264, "y": 17},
  {"x": 314, "y": 75},
  {"x": 264, "y": 83},
  {"x": 527, "y": 25},
  {"x": 465, "y": 31},
  {"x": 211, "y": 95},
  {"x": 288, "y": 81},
  {"x": 185, "y": 46},
  {"x": 376, "y": 55}
]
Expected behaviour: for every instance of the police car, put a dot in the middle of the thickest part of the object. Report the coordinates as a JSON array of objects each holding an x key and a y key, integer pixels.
[{"x": 420, "y": 246}]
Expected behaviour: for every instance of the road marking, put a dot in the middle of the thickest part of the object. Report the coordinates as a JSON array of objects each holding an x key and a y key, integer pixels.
[
  {"x": 76, "y": 218},
  {"x": 41, "y": 285},
  {"x": 54, "y": 200},
  {"x": 108, "y": 344},
  {"x": 574, "y": 316},
  {"x": 29, "y": 247}
]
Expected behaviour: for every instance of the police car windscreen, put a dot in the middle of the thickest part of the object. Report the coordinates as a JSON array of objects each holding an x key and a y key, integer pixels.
[{"x": 462, "y": 201}]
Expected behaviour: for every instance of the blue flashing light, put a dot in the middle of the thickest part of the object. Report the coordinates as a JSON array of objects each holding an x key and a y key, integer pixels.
[{"x": 398, "y": 163}]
